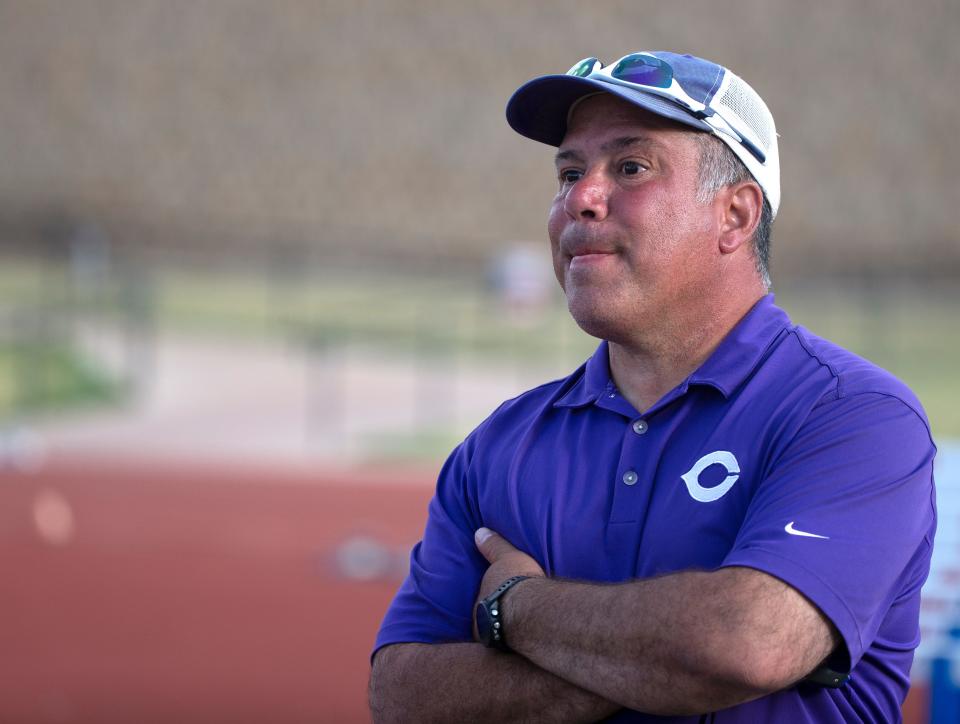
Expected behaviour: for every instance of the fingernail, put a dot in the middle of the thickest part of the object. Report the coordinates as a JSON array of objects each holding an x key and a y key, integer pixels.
[{"x": 481, "y": 535}]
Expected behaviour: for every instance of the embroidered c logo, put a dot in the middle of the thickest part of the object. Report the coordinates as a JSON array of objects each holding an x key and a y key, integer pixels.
[{"x": 708, "y": 495}]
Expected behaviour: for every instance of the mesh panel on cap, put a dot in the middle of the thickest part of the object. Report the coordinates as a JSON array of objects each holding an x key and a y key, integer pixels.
[{"x": 746, "y": 104}]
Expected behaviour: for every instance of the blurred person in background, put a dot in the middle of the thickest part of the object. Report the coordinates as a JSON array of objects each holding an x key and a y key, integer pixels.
[{"x": 719, "y": 516}]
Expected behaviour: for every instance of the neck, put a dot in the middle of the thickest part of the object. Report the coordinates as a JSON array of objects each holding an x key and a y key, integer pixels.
[{"x": 649, "y": 366}]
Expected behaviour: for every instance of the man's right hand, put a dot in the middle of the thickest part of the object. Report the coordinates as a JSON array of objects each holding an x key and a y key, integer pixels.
[{"x": 505, "y": 560}]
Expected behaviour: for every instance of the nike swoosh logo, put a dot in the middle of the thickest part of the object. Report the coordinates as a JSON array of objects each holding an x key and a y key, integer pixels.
[{"x": 793, "y": 531}]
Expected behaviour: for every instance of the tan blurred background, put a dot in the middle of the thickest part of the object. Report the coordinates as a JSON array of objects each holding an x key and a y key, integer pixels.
[{"x": 265, "y": 263}]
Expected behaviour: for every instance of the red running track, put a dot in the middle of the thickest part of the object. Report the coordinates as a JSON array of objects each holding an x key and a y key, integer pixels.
[{"x": 145, "y": 594}]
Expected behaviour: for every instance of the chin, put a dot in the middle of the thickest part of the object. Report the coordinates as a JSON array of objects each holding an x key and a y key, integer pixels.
[
  {"x": 615, "y": 315},
  {"x": 597, "y": 323}
]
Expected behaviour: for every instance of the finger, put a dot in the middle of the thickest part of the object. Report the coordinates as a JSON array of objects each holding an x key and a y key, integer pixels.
[{"x": 492, "y": 545}]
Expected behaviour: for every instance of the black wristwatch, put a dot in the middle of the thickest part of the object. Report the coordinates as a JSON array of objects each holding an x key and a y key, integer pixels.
[
  {"x": 827, "y": 677},
  {"x": 490, "y": 618}
]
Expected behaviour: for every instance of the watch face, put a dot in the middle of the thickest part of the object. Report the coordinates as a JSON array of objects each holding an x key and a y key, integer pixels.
[
  {"x": 484, "y": 625},
  {"x": 489, "y": 616}
]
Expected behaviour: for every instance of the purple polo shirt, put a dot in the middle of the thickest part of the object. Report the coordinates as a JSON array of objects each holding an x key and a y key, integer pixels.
[{"x": 782, "y": 452}]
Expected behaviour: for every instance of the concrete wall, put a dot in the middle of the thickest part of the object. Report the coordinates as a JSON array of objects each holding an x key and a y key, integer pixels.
[{"x": 380, "y": 124}]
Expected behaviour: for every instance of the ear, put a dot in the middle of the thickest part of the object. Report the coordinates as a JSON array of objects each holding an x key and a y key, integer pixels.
[{"x": 742, "y": 204}]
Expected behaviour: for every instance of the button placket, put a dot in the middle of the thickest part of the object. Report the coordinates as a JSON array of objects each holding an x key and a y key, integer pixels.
[{"x": 630, "y": 497}]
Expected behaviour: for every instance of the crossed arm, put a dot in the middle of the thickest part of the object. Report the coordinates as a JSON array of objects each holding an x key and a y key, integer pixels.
[{"x": 684, "y": 643}]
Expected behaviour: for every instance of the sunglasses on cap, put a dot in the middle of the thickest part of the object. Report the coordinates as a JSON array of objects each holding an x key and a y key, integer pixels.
[{"x": 653, "y": 75}]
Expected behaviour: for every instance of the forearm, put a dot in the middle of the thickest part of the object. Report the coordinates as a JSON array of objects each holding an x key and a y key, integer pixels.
[
  {"x": 468, "y": 682},
  {"x": 682, "y": 644}
]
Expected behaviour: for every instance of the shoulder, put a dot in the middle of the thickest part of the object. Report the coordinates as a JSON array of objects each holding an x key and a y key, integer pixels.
[
  {"x": 810, "y": 393},
  {"x": 853, "y": 378}
]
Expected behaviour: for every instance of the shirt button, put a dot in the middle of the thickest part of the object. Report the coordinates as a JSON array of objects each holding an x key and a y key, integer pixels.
[
  {"x": 630, "y": 477},
  {"x": 640, "y": 427}
]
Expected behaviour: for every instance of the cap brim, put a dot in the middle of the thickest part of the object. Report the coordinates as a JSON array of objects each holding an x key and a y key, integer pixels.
[{"x": 539, "y": 108}]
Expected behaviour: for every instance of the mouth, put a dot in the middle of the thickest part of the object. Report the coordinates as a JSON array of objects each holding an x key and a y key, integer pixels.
[{"x": 588, "y": 258}]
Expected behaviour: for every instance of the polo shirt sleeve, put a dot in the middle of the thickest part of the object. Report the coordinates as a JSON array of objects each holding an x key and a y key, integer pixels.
[
  {"x": 435, "y": 601},
  {"x": 858, "y": 475}
]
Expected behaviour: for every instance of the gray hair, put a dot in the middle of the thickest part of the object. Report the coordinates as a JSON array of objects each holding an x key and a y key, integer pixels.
[{"x": 719, "y": 168}]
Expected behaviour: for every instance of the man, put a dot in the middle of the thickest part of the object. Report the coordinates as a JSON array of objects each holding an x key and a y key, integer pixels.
[{"x": 720, "y": 515}]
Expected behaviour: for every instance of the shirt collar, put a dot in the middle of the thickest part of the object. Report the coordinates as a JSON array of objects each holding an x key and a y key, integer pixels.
[
  {"x": 732, "y": 361},
  {"x": 739, "y": 353},
  {"x": 594, "y": 380}
]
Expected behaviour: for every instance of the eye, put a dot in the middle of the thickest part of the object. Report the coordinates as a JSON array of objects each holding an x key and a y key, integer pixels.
[
  {"x": 570, "y": 175},
  {"x": 631, "y": 168}
]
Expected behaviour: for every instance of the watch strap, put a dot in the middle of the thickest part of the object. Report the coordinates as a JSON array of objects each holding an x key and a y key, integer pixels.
[
  {"x": 497, "y": 638},
  {"x": 827, "y": 677}
]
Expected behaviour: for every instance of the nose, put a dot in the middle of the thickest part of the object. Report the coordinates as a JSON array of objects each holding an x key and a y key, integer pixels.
[{"x": 588, "y": 198}]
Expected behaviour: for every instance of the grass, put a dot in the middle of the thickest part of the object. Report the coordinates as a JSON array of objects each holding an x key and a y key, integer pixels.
[
  {"x": 40, "y": 370},
  {"x": 435, "y": 316},
  {"x": 41, "y": 377},
  {"x": 427, "y": 444}
]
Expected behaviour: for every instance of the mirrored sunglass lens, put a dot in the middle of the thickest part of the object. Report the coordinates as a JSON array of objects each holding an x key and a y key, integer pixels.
[
  {"x": 645, "y": 70},
  {"x": 583, "y": 68}
]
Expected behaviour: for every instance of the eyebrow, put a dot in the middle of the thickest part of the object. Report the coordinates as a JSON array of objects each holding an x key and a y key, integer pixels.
[{"x": 617, "y": 144}]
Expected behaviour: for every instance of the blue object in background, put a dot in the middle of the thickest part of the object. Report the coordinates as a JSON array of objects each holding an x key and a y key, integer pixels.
[
  {"x": 945, "y": 682},
  {"x": 940, "y": 610}
]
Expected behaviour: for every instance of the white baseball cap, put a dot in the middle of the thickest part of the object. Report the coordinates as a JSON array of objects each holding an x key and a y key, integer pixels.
[{"x": 690, "y": 90}]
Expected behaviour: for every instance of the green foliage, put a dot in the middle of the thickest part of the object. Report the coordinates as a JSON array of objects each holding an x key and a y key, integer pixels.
[{"x": 42, "y": 377}]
